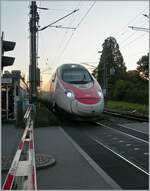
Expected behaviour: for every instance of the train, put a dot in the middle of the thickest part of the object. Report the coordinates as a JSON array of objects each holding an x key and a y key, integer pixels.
[{"x": 75, "y": 92}]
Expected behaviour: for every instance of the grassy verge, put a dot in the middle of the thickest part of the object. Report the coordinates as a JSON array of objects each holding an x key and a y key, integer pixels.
[
  {"x": 45, "y": 118},
  {"x": 130, "y": 107}
]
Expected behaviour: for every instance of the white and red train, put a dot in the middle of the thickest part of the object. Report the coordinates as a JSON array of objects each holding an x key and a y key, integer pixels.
[{"x": 75, "y": 91}]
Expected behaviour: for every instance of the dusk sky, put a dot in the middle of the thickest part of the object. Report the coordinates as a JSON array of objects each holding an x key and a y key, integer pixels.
[{"x": 95, "y": 21}]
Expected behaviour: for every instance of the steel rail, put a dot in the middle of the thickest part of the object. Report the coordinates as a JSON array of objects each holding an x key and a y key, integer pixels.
[
  {"x": 119, "y": 155},
  {"x": 122, "y": 132},
  {"x": 87, "y": 157},
  {"x": 130, "y": 128},
  {"x": 126, "y": 115},
  {"x": 103, "y": 155}
]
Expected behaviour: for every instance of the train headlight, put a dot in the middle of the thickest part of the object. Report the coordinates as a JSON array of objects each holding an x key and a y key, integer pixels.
[
  {"x": 69, "y": 94},
  {"x": 100, "y": 93}
]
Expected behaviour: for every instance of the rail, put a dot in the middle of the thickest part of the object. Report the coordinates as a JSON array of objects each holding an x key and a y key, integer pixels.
[
  {"x": 22, "y": 173},
  {"x": 126, "y": 115}
]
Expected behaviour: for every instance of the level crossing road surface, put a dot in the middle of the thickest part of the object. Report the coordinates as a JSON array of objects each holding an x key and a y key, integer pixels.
[{"x": 72, "y": 170}]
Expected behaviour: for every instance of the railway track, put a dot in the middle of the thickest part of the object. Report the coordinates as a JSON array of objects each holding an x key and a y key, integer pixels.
[
  {"x": 122, "y": 156},
  {"x": 125, "y": 130},
  {"x": 133, "y": 147},
  {"x": 126, "y": 115}
]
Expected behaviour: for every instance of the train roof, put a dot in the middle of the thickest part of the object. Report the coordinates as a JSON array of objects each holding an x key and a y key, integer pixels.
[{"x": 71, "y": 65}]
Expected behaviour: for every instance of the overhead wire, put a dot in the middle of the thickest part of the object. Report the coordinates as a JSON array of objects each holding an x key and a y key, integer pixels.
[
  {"x": 65, "y": 35},
  {"x": 86, "y": 14},
  {"x": 121, "y": 44},
  {"x": 139, "y": 37},
  {"x": 128, "y": 37},
  {"x": 42, "y": 37},
  {"x": 136, "y": 53},
  {"x": 67, "y": 43},
  {"x": 122, "y": 31},
  {"x": 72, "y": 34},
  {"x": 66, "y": 32}
]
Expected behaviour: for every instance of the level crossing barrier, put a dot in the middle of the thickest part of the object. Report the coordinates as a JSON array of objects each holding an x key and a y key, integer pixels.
[{"x": 22, "y": 173}]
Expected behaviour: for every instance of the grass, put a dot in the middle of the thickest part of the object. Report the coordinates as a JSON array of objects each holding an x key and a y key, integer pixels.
[
  {"x": 126, "y": 106},
  {"x": 45, "y": 117}
]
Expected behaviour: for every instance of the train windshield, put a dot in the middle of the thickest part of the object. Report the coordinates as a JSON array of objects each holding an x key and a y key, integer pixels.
[{"x": 76, "y": 76}]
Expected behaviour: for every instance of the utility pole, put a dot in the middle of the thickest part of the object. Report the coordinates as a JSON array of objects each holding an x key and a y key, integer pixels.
[
  {"x": 105, "y": 81},
  {"x": 34, "y": 29},
  {"x": 105, "y": 74},
  {"x": 34, "y": 18}
]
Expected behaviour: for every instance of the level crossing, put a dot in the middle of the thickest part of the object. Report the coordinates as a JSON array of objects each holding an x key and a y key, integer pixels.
[{"x": 22, "y": 173}]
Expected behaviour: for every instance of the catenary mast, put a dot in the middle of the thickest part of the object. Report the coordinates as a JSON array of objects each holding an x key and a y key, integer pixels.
[{"x": 33, "y": 24}]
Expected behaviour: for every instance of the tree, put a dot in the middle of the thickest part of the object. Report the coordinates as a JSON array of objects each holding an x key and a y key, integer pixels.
[
  {"x": 143, "y": 66},
  {"x": 111, "y": 66}
]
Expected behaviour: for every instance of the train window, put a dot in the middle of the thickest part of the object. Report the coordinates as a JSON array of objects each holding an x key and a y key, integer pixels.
[{"x": 76, "y": 76}]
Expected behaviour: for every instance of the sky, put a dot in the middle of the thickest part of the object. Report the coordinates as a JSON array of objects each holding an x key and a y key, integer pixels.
[{"x": 94, "y": 22}]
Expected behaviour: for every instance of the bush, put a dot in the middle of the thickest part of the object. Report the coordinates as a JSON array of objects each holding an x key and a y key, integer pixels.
[
  {"x": 126, "y": 106},
  {"x": 136, "y": 91}
]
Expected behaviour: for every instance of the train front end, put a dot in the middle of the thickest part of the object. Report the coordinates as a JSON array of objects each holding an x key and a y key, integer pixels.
[{"x": 83, "y": 94}]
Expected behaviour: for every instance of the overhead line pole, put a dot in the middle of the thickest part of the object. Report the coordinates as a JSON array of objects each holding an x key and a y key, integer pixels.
[
  {"x": 34, "y": 29},
  {"x": 33, "y": 50}
]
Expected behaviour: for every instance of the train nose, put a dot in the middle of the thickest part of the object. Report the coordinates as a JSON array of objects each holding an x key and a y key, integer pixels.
[{"x": 87, "y": 109}]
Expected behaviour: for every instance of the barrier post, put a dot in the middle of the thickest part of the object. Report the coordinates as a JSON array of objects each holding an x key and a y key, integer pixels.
[{"x": 22, "y": 173}]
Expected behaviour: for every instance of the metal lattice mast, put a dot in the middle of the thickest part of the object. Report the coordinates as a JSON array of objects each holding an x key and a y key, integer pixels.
[{"x": 34, "y": 18}]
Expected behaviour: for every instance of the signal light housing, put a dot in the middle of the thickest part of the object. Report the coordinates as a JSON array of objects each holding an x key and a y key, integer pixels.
[{"x": 6, "y": 46}]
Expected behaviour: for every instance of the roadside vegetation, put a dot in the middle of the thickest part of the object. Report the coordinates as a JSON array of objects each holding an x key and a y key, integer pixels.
[
  {"x": 128, "y": 107},
  {"x": 127, "y": 90},
  {"x": 45, "y": 117}
]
